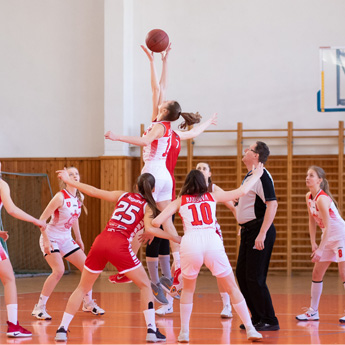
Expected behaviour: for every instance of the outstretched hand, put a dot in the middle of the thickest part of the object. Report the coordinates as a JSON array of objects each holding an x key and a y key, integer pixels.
[
  {"x": 4, "y": 235},
  {"x": 214, "y": 119},
  {"x": 111, "y": 136},
  {"x": 258, "y": 170},
  {"x": 149, "y": 53},
  {"x": 165, "y": 53},
  {"x": 63, "y": 175}
]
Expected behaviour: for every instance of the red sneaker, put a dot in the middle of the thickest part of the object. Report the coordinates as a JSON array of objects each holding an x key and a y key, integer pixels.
[
  {"x": 16, "y": 331},
  {"x": 177, "y": 285},
  {"x": 119, "y": 279}
]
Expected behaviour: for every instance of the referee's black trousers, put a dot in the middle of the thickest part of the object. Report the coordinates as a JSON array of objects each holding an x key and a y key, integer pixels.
[{"x": 251, "y": 272}]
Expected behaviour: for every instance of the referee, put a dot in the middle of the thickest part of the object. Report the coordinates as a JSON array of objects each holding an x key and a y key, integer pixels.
[{"x": 255, "y": 213}]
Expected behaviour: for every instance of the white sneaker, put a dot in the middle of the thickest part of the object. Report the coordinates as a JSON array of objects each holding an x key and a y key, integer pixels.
[
  {"x": 165, "y": 309},
  {"x": 93, "y": 308},
  {"x": 309, "y": 315},
  {"x": 342, "y": 319},
  {"x": 226, "y": 312},
  {"x": 41, "y": 313},
  {"x": 61, "y": 334},
  {"x": 253, "y": 334},
  {"x": 183, "y": 337}
]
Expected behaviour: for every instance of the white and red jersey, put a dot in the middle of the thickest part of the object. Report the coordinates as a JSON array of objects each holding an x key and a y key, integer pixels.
[
  {"x": 64, "y": 216},
  {"x": 172, "y": 157},
  {"x": 198, "y": 212},
  {"x": 158, "y": 150},
  {"x": 0, "y": 204},
  {"x": 128, "y": 216},
  {"x": 336, "y": 223}
]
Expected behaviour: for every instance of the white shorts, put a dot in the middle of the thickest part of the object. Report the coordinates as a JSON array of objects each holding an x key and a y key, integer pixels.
[
  {"x": 62, "y": 243},
  {"x": 164, "y": 183},
  {"x": 3, "y": 253},
  {"x": 203, "y": 247},
  {"x": 334, "y": 251}
]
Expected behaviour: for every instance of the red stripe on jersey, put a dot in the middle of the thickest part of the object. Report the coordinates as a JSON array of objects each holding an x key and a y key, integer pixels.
[{"x": 65, "y": 194}]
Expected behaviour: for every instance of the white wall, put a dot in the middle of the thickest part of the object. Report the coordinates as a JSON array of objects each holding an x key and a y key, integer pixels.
[
  {"x": 251, "y": 61},
  {"x": 51, "y": 78}
]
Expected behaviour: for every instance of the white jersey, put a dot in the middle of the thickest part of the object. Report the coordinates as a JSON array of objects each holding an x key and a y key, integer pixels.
[
  {"x": 64, "y": 216},
  {"x": 198, "y": 212},
  {"x": 336, "y": 229},
  {"x": 158, "y": 150}
]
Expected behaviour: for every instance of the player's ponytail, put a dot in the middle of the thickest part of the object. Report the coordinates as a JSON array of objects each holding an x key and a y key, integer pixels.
[
  {"x": 175, "y": 111},
  {"x": 189, "y": 119},
  {"x": 146, "y": 183},
  {"x": 324, "y": 185}
]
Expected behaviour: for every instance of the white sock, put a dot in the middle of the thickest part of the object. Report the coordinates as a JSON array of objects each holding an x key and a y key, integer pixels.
[
  {"x": 42, "y": 300},
  {"x": 316, "y": 291},
  {"x": 150, "y": 319},
  {"x": 88, "y": 297},
  {"x": 66, "y": 320},
  {"x": 242, "y": 311},
  {"x": 176, "y": 256},
  {"x": 12, "y": 313},
  {"x": 225, "y": 298},
  {"x": 170, "y": 300},
  {"x": 185, "y": 314}
]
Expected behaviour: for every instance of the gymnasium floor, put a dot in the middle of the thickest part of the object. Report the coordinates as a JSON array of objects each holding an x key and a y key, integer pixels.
[{"x": 123, "y": 322}]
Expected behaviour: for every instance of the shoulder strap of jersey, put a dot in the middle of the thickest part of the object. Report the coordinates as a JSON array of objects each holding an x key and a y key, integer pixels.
[{"x": 65, "y": 194}]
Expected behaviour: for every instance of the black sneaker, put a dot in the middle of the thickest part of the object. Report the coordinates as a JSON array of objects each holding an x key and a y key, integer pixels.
[
  {"x": 262, "y": 326},
  {"x": 61, "y": 334},
  {"x": 153, "y": 337}
]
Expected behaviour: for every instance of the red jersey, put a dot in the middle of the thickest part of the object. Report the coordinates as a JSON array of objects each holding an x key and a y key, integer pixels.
[
  {"x": 172, "y": 157},
  {"x": 128, "y": 215},
  {"x": 0, "y": 203}
]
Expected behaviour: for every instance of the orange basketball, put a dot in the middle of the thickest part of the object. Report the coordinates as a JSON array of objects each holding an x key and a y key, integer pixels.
[{"x": 157, "y": 40}]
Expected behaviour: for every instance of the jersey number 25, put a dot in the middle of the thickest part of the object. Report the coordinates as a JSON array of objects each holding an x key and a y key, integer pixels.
[{"x": 126, "y": 213}]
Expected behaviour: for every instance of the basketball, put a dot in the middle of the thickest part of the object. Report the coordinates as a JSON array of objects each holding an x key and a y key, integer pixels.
[{"x": 157, "y": 40}]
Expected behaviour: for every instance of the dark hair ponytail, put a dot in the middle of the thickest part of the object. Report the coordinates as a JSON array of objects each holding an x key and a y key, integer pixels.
[
  {"x": 146, "y": 183},
  {"x": 189, "y": 119},
  {"x": 324, "y": 185},
  {"x": 194, "y": 184},
  {"x": 174, "y": 112}
]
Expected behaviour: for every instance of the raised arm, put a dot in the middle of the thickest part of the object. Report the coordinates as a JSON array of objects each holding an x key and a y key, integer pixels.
[
  {"x": 195, "y": 131},
  {"x": 222, "y": 196},
  {"x": 154, "y": 83},
  {"x": 163, "y": 83},
  {"x": 89, "y": 190},
  {"x": 229, "y": 204},
  {"x": 15, "y": 211},
  {"x": 156, "y": 133}
]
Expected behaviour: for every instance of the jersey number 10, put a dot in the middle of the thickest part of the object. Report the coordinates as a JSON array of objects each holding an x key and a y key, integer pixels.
[{"x": 201, "y": 214}]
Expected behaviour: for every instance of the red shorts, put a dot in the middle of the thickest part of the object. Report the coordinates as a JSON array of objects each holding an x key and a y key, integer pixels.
[{"x": 114, "y": 247}]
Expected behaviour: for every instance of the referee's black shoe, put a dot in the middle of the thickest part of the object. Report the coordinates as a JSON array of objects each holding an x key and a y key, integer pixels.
[{"x": 262, "y": 326}]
